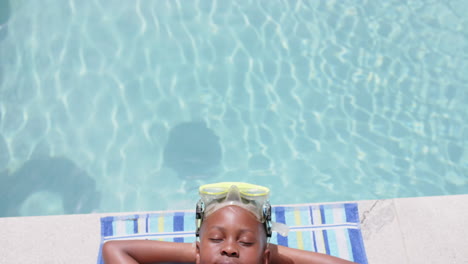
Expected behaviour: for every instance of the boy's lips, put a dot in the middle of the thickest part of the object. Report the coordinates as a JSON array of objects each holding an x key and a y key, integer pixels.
[{"x": 227, "y": 261}]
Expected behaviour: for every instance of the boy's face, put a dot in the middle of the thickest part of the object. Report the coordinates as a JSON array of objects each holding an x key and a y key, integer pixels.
[{"x": 232, "y": 235}]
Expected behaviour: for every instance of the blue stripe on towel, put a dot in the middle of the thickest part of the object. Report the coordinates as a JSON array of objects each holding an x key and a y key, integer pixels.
[
  {"x": 280, "y": 217},
  {"x": 324, "y": 232},
  {"x": 359, "y": 252},
  {"x": 106, "y": 226},
  {"x": 147, "y": 223},
  {"x": 352, "y": 214},
  {"x": 322, "y": 214},
  {"x": 355, "y": 236},
  {"x": 314, "y": 239},
  {"x": 106, "y": 230},
  {"x": 178, "y": 225},
  {"x": 325, "y": 241},
  {"x": 135, "y": 224}
]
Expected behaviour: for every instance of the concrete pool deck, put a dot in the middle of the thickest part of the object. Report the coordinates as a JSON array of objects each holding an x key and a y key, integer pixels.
[{"x": 405, "y": 230}]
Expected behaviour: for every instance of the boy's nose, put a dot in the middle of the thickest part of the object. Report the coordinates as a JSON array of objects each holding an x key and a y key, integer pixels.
[{"x": 230, "y": 250}]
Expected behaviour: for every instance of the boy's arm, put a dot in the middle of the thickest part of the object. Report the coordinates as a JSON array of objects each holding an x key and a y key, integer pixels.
[
  {"x": 283, "y": 255},
  {"x": 147, "y": 251}
]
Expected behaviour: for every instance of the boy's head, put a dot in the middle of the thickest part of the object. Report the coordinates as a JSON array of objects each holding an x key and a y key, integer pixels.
[
  {"x": 232, "y": 235},
  {"x": 234, "y": 223}
]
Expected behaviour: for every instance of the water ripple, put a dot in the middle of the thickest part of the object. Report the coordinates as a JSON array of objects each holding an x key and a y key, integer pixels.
[{"x": 331, "y": 96}]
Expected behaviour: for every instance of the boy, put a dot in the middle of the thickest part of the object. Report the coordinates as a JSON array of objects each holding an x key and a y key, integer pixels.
[{"x": 234, "y": 224}]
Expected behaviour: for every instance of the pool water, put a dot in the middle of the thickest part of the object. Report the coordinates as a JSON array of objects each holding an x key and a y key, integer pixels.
[{"x": 109, "y": 106}]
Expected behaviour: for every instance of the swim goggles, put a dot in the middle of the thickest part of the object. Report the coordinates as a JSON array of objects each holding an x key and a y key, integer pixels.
[{"x": 253, "y": 198}]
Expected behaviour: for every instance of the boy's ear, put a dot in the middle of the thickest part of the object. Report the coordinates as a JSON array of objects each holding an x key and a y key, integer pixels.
[
  {"x": 197, "y": 252},
  {"x": 266, "y": 256}
]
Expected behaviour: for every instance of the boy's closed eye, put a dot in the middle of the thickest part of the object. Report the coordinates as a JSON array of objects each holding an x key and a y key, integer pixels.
[
  {"x": 246, "y": 244},
  {"x": 216, "y": 240},
  {"x": 247, "y": 240}
]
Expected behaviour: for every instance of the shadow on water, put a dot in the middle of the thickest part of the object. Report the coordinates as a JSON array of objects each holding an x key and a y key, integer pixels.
[
  {"x": 40, "y": 179},
  {"x": 193, "y": 151},
  {"x": 4, "y": 16}
]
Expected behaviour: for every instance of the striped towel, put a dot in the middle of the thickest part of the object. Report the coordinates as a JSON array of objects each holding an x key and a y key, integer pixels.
[{"x": 332, "y": 229}]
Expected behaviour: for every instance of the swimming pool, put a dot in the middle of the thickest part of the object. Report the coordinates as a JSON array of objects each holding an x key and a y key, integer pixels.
[{"x": 112, "y": 106}]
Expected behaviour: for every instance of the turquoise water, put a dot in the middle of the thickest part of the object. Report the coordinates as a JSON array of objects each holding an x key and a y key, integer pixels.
[{"x": 110, "y": 106}]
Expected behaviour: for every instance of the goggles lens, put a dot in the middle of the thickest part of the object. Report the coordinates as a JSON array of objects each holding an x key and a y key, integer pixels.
[{"x": 245, "y": 189}]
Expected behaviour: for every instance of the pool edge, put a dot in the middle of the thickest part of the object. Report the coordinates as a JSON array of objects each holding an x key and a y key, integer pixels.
[{"x": 403, "y": 230}]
